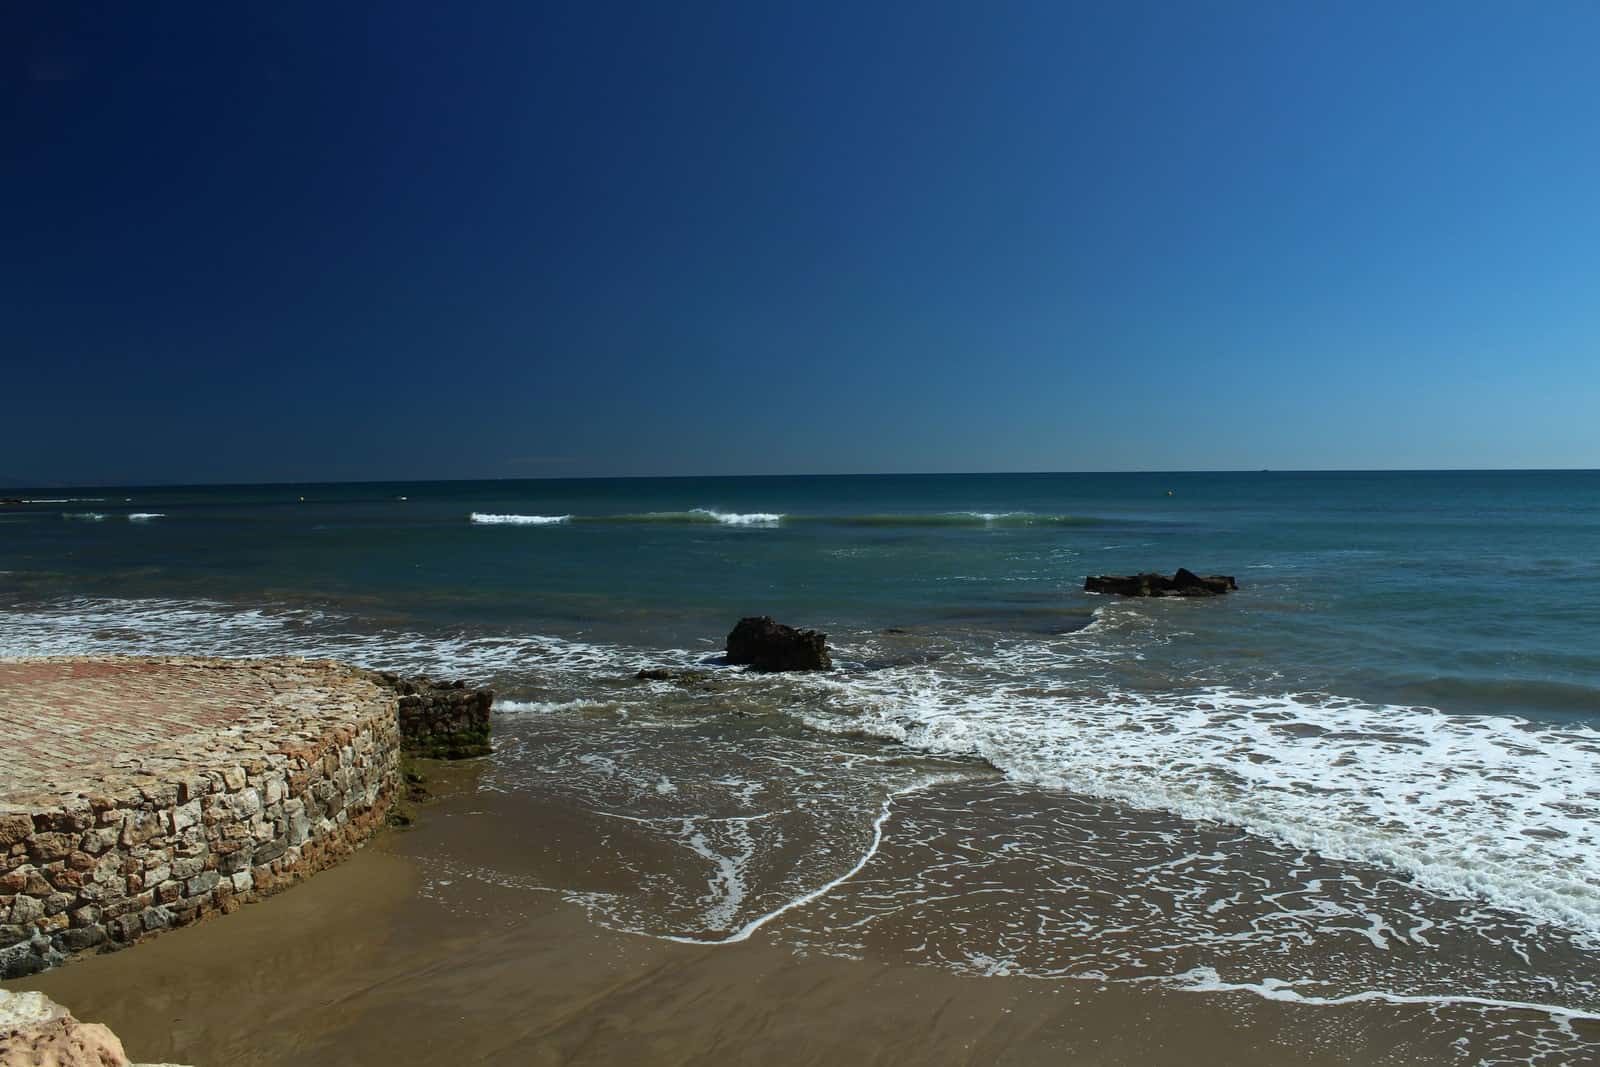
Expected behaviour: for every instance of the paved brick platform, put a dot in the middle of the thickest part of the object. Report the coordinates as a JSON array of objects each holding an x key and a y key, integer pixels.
[
  {"x": 65, "y": 721},
  {"x": 138, "y": 793}
]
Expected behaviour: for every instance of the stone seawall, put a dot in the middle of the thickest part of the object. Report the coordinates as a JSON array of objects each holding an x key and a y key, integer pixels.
[
  {"x": 440, "y": 720},
  {"x": 141, "y": 794}
]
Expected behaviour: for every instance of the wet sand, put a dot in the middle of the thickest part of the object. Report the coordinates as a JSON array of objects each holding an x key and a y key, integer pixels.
[{"x": 365, "y": 965}]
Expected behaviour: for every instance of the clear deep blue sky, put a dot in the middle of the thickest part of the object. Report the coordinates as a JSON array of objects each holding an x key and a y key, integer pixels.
[{"x": 304, "y": 241}]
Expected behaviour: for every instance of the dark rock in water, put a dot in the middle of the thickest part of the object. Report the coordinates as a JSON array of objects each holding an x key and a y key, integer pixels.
[
  {"x": 670, "y": 674},
  {"x": 687, "y": 679},
  {"x": 1189, "y": 583},
  {"x": 10, "y": 500},
  {"x": 1184, "y": 583},
  {"x": 772, "y": 646},
  {"x": 440, "y": 720}
]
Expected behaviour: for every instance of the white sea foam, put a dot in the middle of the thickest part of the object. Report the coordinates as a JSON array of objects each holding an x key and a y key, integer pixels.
[
  {"x": 1206, "y": 980},
  {"x": 84, "y": 516},
  {"x": 733, "y": 518},
  {"x": 743, "y": 932},
  {"x": 1496, "y": 809},
  {"x": 487, "y": 519},
  {"x": 146, "y": 516},
  {"x": 118, "y": 626},
  {"x": 67, "y": 500},
  {"x": 548, "y": 707}
]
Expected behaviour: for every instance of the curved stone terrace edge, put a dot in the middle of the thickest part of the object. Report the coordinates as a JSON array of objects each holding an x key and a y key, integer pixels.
[{"x": 142, "y": 793}]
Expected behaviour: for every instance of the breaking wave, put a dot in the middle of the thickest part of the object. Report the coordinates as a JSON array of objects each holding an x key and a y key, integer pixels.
[
  {"x": 1490, "y": 808},
  {"x": 485, "y": 519},
  {"x": 712, "y": 516}
]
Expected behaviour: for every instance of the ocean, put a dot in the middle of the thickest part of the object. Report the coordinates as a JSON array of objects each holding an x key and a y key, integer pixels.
[{"x": 1370, "y": 776}]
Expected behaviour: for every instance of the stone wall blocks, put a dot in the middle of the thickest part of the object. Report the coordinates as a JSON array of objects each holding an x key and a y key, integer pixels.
[
  {"x": 80, "y": 938},
  {"x": 25, "y": 910},
  {"x": 235, "y": 861},
  {"x": 269, "y": 852},
  {"x": 54, "y": 845},
  {"x": 189, "y": 905},
  {"x": 139, "y": 827},
  {"x": 114, "y": 906},
  {"x": 203, "y": 882},
  {"x": 98, "y": 840},
  {"x": 65, "y": 879},
  {"x": 186, "y": 815},
  {"x": 247, "y": 803},
  {"x": 187, "y": 867},
  {"x": 73, "y": 816},
  {"x": 125, "y": 928},
  {"x": 159, "y": 794}
]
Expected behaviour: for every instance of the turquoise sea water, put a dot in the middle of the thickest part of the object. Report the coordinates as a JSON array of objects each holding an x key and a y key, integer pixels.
[
  {"x": 1406, "y": 685},
  {"x": 1474, "y": 592}
]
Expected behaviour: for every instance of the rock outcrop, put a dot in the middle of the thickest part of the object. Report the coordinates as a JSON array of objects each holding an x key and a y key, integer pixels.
[
  {"x": 35, "y": 1031},
  {"x": 771, "y": 646},
  {"x": 440, "y": 720},
  {"x": 1183, "y": 583}
]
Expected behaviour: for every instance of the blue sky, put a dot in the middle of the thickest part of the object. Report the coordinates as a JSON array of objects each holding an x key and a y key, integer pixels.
[{"x": 304, "y": 241}]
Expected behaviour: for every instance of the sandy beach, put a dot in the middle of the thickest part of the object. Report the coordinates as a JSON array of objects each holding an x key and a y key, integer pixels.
[{"x": 374, "y": 962}]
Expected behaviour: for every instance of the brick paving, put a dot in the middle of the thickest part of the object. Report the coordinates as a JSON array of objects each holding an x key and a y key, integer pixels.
[{"x": 66, "y": 723}]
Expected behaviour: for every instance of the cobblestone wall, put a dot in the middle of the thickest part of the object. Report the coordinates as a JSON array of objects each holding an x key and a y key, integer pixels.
[
  {"x": 441, "y": 720},
  {"x": 195, "y": 824}
]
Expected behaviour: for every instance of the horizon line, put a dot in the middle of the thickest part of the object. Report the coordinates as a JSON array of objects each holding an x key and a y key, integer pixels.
[{"x": 21, "y": 487}]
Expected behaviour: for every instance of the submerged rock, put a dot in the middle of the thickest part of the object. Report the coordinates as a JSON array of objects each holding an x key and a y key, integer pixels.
[
  {"x": 671, "y": 674},
  {"x": 771, "y": 646},
  {"x": 1183, "y": 583},
  {"x": 682, "y": 677}
]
